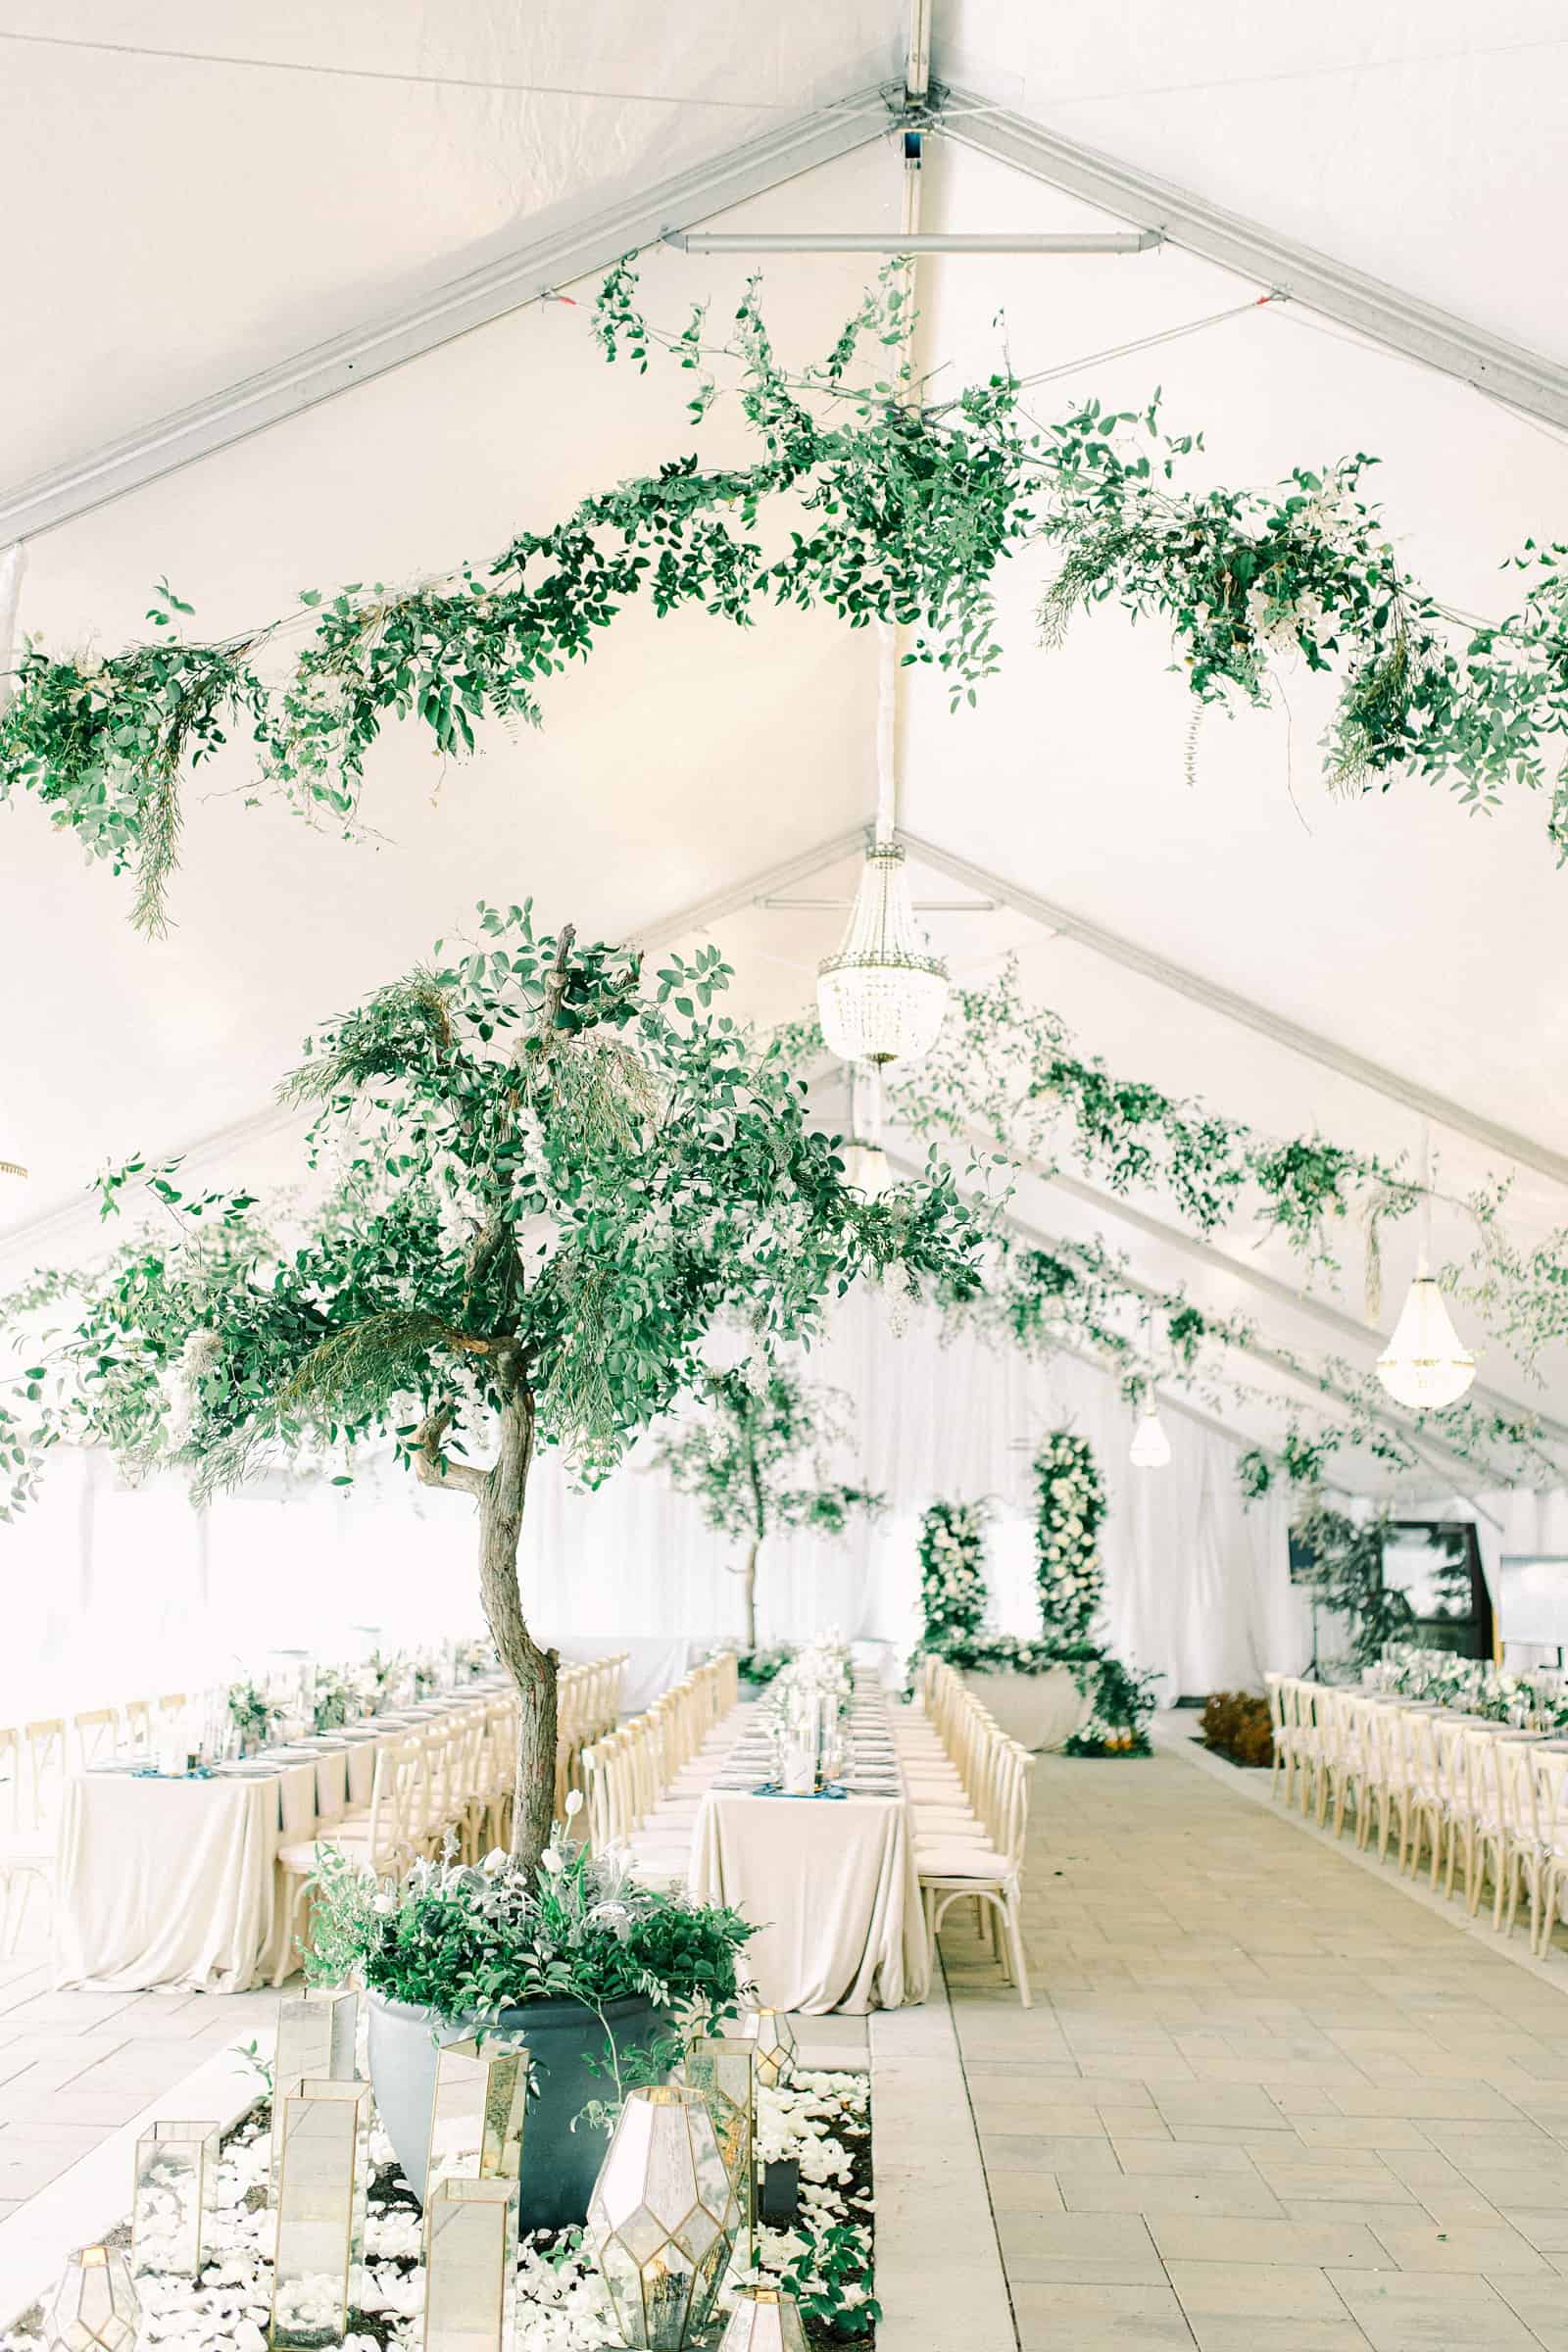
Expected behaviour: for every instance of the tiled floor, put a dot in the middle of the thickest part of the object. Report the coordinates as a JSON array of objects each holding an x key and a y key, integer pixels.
[
  {"x": 1263, "y": 2097},
  {"x": 75, "y": 2065}
]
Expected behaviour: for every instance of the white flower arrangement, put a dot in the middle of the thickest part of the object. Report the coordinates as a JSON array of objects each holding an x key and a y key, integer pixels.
[{"x": 1072, "y": 1505}]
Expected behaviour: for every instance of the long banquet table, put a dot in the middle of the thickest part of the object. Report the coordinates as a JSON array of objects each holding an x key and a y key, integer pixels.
[
  {"x": 174, "y": 1882},
  {"x": 832, "y": 1880}
]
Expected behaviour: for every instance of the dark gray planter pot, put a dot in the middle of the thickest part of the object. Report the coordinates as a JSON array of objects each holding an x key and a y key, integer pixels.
[{"x": 558, "y": 2164}]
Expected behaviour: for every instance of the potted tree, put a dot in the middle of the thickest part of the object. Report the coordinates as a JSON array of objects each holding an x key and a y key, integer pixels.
[
  {"x": 547, "y": 1178},
  {"x": 756, "y": 1459}
]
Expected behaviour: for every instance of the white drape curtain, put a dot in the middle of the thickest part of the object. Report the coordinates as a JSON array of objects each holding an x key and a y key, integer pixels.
[{"x": 112, "y": 1591}]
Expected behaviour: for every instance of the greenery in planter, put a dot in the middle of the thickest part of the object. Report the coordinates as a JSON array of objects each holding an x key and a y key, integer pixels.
[
  {"x": 952, "y": 1572},
  {"x": 549, "y": 1180},
  {"x": 1236, "y": 1724},
  {"x": 467, "y": 1942},
  {"x": 756, "y": 1461},
  {"x": 1007, "y": 1653},
  {"x": 889, "y": 507},
  {"x": 1344, "y": 1573}
]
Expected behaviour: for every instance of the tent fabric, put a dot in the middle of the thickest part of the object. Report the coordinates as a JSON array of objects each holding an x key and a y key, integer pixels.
[
  {"x": 353, "y": 159},
  {"x": 117, "y": 1590}
]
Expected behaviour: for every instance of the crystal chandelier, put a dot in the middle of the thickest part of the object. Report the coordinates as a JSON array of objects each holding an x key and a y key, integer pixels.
[
  {"x": 1424, "y": 1365},
  {"x": 883, "y": 995},
  {"x": 1151, "y": 1447}
]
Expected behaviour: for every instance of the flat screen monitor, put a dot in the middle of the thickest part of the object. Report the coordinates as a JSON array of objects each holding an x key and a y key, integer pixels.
[{"x": 1436, "y": 1563}]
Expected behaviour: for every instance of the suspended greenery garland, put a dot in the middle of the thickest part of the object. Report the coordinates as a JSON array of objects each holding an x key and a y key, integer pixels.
[
  {"x": 1006, "y": 1076},
  {"x": 890, "y": 507},
  {"x": 952, "y": 1571},
  {"x": 1071, "y": 1507}
]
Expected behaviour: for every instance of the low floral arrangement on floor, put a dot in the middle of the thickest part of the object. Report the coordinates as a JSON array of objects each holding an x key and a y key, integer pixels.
[
  {"x": 952, "y": 1571},
  {"x": 1236, "y": 1724},
  {"x": 470, "y": 1939},
  {"x": 1072, "y": 1508},
  {"x": 1535, "y": 1702},
  {"x": 824, "y": 2259},
  {"x": 1121, "y": 1705}
]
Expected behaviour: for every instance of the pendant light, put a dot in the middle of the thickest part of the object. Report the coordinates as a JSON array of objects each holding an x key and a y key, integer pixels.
[
  {"x": 883, "y": 995},
  {"x": 1425, "y": 1366},
  {"x": 1151, "y": 1447}
]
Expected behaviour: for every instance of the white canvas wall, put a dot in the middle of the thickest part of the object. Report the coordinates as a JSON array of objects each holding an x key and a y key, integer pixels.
[{"x": 113, "y": 1590}]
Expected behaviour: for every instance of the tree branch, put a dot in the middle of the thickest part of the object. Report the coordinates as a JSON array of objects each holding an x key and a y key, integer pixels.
[{"x": 432, "y": 1467}]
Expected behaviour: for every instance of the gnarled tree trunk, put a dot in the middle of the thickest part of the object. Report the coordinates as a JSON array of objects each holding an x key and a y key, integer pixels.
[
  {"x": 749, "y": 1590},
  {"x": 532, "y": 1669}
]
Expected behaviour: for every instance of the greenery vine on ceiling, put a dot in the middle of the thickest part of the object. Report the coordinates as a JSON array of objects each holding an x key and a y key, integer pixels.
[
  {"x": 882, "y": 504},
  {"x": 1006, "y": 1080}
]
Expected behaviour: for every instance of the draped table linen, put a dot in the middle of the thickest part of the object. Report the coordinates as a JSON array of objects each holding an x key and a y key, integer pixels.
[
  {"x": 174, "y": 1882},
  {"x": 832, "y": 1883}
]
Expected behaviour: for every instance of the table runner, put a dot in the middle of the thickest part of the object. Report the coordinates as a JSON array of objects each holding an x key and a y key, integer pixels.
[{"x": 832, "y": 1882}]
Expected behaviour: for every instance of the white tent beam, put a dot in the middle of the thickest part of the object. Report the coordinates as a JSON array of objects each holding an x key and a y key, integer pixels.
[
  {"x": 849, "y": 240},
  {"x": 472, "y": 300},
  {"x": 1455, "y": 347},
  {"x": 1334, "y": 1318},
  {"x": 1426, "y": 1447},
  {"x": 755, "y": 890},
  {"x": 1441, "y": 1110}
]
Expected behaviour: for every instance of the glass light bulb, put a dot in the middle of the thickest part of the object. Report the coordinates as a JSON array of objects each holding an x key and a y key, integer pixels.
[{"x": 1151, "y": 1447}]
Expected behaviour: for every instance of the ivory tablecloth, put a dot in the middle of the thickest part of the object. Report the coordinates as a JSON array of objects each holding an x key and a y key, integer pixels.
[
  {"x": 833, "y": 1885},
  {"x": 176, "y": 1882},
  {"x": 168, "y": 1882}
]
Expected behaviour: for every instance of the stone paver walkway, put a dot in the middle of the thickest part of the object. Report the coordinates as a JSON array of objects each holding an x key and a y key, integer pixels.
[
  {"x": 1263, "y": 2099},
  {"x": 74, "y": 2066}
]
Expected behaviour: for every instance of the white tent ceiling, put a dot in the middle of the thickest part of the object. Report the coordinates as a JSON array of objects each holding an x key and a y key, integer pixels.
[{"x": 201, "y": 204}]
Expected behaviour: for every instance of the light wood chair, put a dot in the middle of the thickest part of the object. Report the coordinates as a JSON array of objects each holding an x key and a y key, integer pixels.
[
  {"x": 27, "y": 1841},
  {"x": 990, "y": 1874}
]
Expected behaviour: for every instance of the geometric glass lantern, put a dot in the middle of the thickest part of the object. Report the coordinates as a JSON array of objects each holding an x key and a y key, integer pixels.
[
  {"x": 724, "y": 2071},
  {"x": 1425, "y": 1366},
  {"x": 764, "y": 2320},
  {"x": 1151, "y": 1447},
  {"x": 317, "y": 2035},
  {"x": 476, "y": 2115},
  {"x": 470, "y": 2278},
  {"x": 321, "y": 2213},
  {"x": 175, "y": 2194},
  {"x": 882, "y": 996},
  {"x": 95, "y": 2307},
  {"x": 663, "y": 2217},
  {"x": 770, "y": 2029}
]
